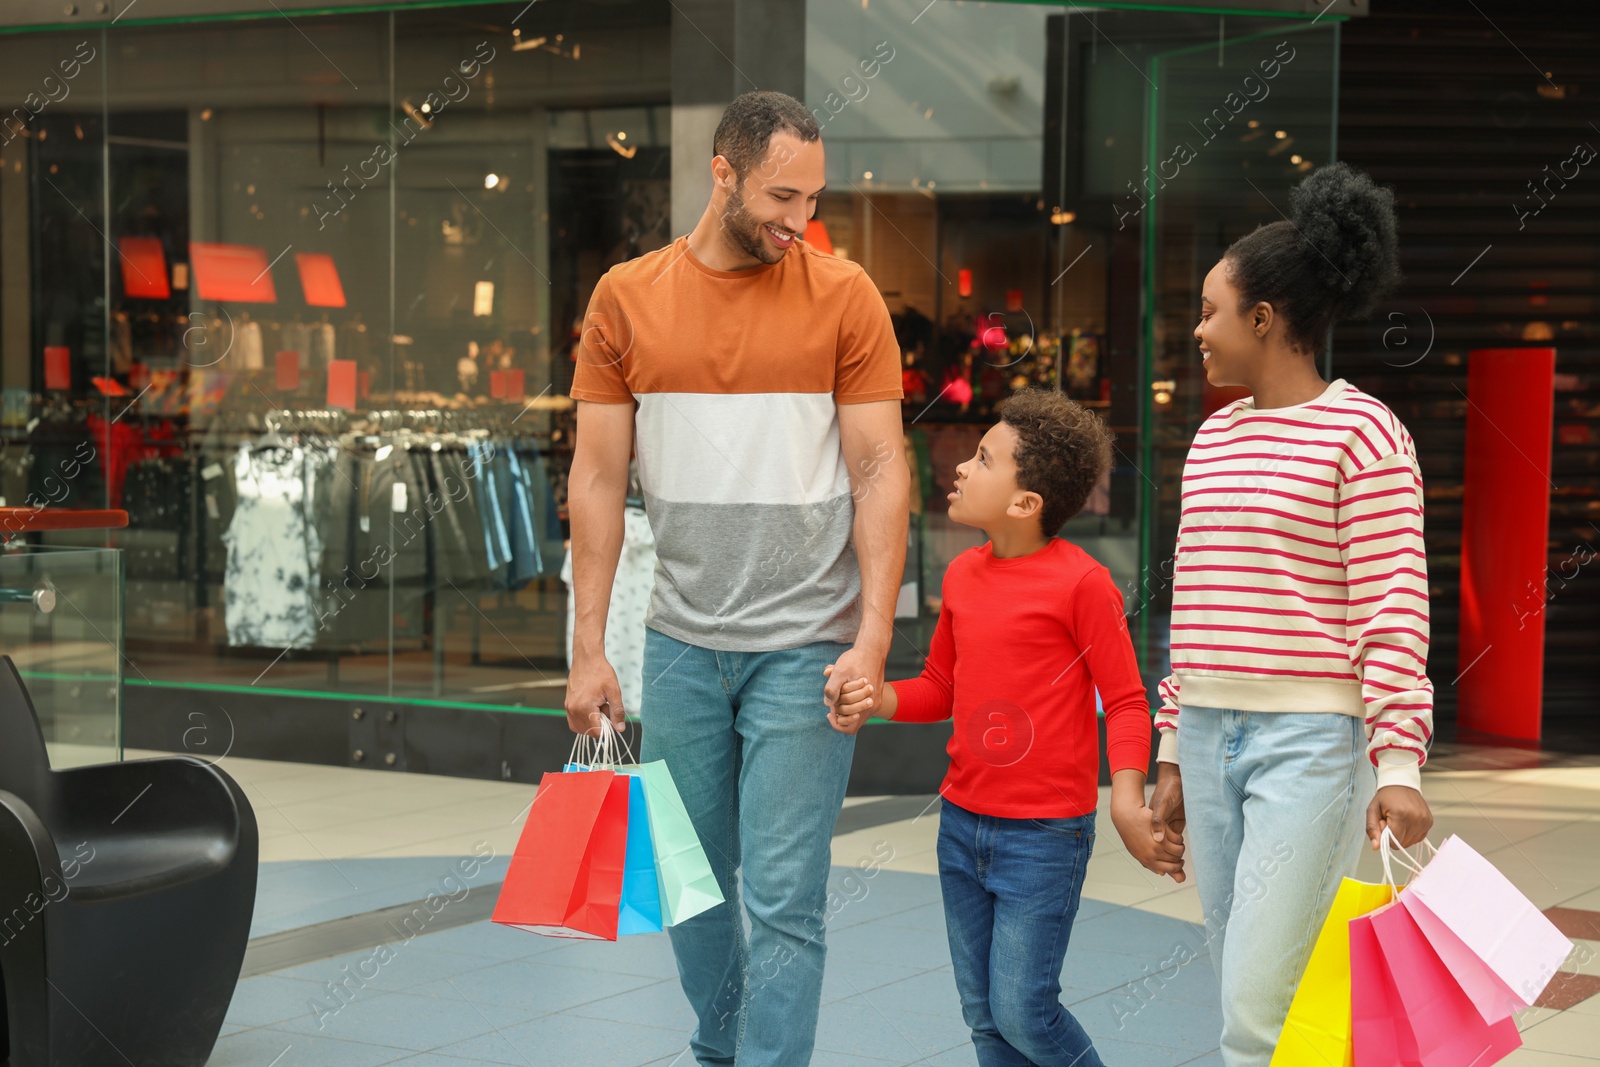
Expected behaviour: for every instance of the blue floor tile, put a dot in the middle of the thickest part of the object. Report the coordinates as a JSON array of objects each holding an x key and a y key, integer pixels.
[
  {"x": 859, "y": 1027},
  {"x": 662, "y": 1005},
  {"x": 270, "y": 999},
  {"x": 931, "y": 993},
  {"x": 277, "y": 1048},
  {"x": 562, "y": 1040},
  {"x": 645, "y": 955},
  {"x": 876, "y": 940},
  {"x": 848, "y": 976},
  {"x": 534, "y": 985},
  {"x": 409, "y": 964},
  {"x": 400, "y": 1020}
]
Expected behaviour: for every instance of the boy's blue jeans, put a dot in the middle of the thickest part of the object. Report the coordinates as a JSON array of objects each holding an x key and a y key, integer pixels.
[
  {"x": 746, "y": 737},
  {"x": 1011, "y": 889}
]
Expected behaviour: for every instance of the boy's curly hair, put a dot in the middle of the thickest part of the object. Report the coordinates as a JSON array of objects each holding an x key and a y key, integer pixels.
[{"x": 1062, "y": 451}]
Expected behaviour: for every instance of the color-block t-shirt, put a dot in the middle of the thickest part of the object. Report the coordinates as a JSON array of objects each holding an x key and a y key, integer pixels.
[{"x": 737, "y": 376}]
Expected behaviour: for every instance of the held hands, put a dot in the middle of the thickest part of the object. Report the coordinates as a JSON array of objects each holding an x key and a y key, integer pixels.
[
  {"x": 1403, "y": 811},
  {"x": 857, "y": 702},
  {"x": 1156, "y": 845}
]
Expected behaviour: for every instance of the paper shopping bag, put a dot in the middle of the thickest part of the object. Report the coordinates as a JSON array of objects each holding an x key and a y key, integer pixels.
[
  {"x": 1380, "y": 1036},
  {"x": 1496, "y": 943},
  {"x": 687, "y": 884},
  {"x": 1446, "y": 1030},
  {"x": 1316, "y": 1032},
  {"x": 640, "y": 909},
  {"x": 565, "y": 876}
]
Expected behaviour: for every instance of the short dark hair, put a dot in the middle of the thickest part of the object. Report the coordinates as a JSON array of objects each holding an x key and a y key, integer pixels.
[
  {"x": 750, "y": 121},
  {"x": 1336, "y": 258},
  {"x": 1063, "y": 450}
]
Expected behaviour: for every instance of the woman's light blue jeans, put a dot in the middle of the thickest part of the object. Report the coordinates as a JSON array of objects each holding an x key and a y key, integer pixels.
[
  {"x": 746, "y": 737},
  {"x": 1276, "y": 803}
]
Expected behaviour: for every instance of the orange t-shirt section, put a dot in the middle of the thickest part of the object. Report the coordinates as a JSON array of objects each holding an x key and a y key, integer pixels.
[{"x": 667, "y": 323}]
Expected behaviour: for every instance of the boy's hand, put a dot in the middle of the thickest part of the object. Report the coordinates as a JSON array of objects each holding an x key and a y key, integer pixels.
[
  {"x": 1135, "y": 824},
  {"x": 855, "y": 705}
]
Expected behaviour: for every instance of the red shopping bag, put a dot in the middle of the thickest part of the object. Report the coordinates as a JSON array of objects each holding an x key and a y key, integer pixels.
[
  {"x": 1416, "y": 1013},
  {"x": 565, "y": 877}
]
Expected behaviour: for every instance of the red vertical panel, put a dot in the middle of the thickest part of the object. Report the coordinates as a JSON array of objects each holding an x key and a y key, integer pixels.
[{"x": 1505, "y": 529}]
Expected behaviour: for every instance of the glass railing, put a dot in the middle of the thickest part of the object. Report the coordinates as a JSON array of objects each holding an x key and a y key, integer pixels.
[{"x": 61, "y": 624}]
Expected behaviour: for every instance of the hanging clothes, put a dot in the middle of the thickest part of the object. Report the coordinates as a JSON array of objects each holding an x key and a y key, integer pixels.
[
  {"x": 274, "y": 550},
  {"x": 630, "y": 600},
  {"x": 248, "y": 346}
]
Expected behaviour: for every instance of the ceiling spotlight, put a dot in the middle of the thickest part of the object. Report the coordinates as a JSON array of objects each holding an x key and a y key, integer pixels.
[{"x": 491, "y": 180}]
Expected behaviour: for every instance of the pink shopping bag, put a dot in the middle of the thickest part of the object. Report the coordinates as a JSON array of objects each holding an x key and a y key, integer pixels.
[
  {"x": 1446, "y": 1029},
  {"x": 1500, "y": 948},
  {"x": 1379, "y": 1034}
]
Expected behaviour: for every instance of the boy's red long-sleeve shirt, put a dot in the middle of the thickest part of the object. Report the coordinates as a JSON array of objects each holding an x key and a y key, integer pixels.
[{"x": 1020, "y": 648}]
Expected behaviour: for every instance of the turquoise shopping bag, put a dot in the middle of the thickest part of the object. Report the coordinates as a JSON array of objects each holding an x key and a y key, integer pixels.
[{"x": 688, "y": 886}]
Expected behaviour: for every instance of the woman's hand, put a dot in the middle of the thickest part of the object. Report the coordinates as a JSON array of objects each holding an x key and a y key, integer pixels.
[
  {"x": 1403, "y": 810},
  {"x": 1166, "y": 813}
]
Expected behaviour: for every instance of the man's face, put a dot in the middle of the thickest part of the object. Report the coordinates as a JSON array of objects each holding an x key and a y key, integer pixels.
[{"x": 770, "y": 208}]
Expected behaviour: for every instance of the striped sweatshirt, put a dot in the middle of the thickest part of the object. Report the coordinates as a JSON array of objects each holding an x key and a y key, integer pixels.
[{"x": 1300, "y": 581}]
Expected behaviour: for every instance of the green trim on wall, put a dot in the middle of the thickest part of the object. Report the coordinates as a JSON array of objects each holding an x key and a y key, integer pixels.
[{"x": 365, "y": 698}]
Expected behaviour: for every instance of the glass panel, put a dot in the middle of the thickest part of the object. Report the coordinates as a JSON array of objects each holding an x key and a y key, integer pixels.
[
  {"x": 991, "y": 180},
  {"x": 61, "y": 624},
  {"x": 1234, "y": 124}
]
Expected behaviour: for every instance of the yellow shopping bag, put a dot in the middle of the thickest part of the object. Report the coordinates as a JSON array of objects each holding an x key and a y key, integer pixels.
[{"x": 1317, "y": 1030}]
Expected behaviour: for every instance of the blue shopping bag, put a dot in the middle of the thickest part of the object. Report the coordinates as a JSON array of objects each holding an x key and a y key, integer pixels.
[
  {"x": 641, "y": 896},
  {"x": 640, "y": 908}
]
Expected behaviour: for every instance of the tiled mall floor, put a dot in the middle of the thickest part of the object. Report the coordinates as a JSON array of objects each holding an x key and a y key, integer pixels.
[{"x": 339, "y": 842}]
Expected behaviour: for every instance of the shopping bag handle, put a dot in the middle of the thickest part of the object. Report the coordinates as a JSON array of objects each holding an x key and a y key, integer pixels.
[{"x": 1390, "y": 851}]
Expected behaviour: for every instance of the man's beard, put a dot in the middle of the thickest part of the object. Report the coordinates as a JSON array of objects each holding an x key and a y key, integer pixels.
[{"x": 744, "y": 230}]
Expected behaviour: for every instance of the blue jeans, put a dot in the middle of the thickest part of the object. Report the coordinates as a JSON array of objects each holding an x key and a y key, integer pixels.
[
  {"x": 746, "y": 737},
  {"x": 1276, "y": 803},
  {"x": 1011, "y": 889}
]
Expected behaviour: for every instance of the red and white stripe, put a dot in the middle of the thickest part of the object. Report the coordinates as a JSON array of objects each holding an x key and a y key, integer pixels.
[{"x": 1300, "y": 578}]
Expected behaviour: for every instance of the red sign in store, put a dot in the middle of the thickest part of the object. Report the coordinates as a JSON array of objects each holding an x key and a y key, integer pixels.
[
  {"x": 342, "y": 383},
  {"x": 144, "y": 267},
  {"x": 237, "y": 273},
  {"x": 57, "y": 367},
  {"x": 320, "y": 279},
  {"x": 286, "y": 370}
]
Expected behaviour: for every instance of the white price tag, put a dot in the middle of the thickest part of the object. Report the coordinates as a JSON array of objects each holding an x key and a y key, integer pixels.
[
  {"x": 366, "y": 524},
  {"x": 212, "y": 471},
  {"x": 397, "y": 499},
  {"x": 211, "y": 507}
]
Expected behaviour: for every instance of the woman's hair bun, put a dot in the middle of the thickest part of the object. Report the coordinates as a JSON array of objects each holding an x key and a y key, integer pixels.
[{"x": 1350, "y": 223}]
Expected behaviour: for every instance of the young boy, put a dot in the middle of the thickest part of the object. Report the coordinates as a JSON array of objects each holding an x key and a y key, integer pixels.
[{"x": 1030, "y": 627}]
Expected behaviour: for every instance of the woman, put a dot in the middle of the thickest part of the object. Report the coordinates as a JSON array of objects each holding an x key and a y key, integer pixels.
[{"x": 1298, "y": 710}]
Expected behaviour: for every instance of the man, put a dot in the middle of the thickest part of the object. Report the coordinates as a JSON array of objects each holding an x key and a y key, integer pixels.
[{"x": 759, "y": 382}]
